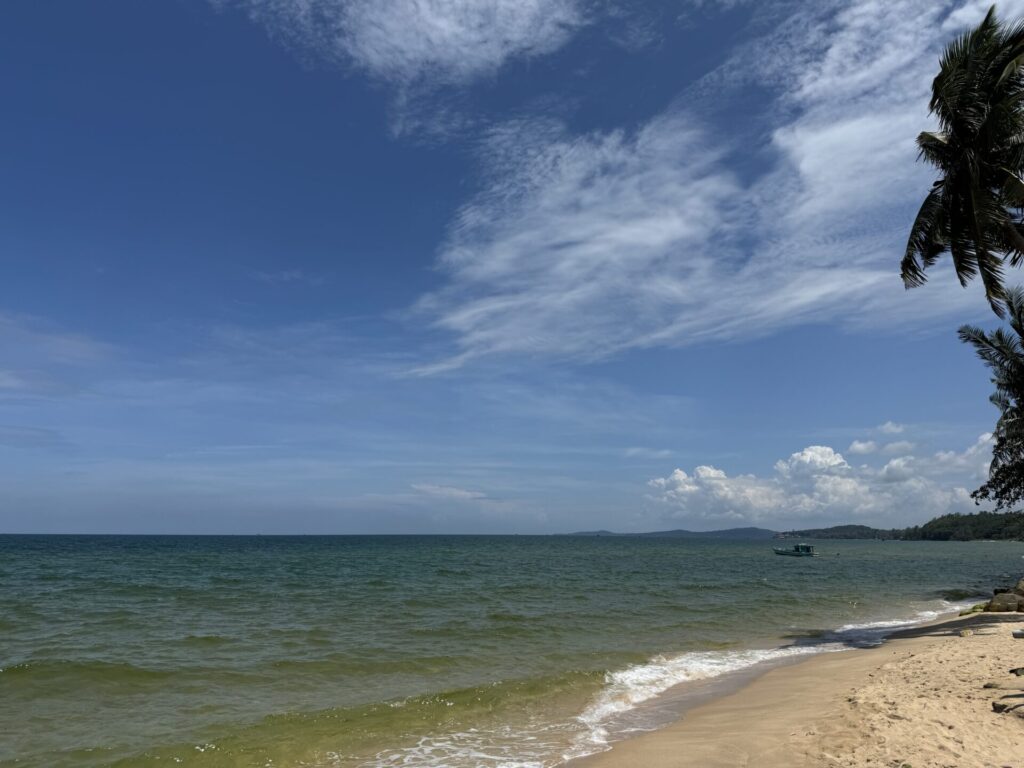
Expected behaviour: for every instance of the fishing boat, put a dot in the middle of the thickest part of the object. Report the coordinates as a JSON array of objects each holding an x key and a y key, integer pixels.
[{"x": 798, "y": 550}]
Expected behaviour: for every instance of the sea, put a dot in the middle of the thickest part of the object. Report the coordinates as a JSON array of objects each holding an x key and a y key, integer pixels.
[{"x": 416, "y": 651}]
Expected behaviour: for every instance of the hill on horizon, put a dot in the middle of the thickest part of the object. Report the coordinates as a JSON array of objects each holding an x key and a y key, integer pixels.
[{"x": 749, "y": 532}]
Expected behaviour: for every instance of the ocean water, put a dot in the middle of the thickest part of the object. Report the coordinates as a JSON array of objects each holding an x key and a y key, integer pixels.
[{"x": 498, "y": 652}]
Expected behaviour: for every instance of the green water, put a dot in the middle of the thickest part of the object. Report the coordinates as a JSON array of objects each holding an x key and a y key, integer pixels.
[{"x": 504, "y": 652}]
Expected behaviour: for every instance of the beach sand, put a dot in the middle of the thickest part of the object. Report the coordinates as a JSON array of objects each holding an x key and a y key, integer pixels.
[{"x": 918, "y": 701}]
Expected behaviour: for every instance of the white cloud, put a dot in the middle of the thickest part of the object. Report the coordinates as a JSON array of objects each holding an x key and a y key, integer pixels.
[
  {"x": 817, "y": 486},
  {"x": 639, "y": 452},
  {"x": 862, "y": 447},
  {"x": 441, "y": 41},
  {"x": 975, "y": 460},
  {"x": 974, "y": 11},
  {"x": 891, "y": 428},
  {"x": 710, "y": 493},
  {"x": 448, "y": 492},
  {"x": 897, "y": 470},
  {"x": 813, "y": 460},
  {"x": 583, "y": 246}
]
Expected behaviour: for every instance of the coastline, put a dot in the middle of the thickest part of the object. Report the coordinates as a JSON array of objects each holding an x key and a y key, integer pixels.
[{"x": 917, "y": 699}]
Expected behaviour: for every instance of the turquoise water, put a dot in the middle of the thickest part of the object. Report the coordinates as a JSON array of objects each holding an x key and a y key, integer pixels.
[{"x": 416, "y": 651}]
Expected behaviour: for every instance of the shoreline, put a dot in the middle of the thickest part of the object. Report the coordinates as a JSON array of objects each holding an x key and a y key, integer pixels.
[{"x": 923, "y": 685}]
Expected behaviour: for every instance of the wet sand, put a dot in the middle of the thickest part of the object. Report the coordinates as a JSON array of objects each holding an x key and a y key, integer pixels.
[{"x": 918, "y": 700}]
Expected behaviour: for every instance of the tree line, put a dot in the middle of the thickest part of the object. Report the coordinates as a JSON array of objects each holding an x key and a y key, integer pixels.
[{"x": 952, "y": 527}]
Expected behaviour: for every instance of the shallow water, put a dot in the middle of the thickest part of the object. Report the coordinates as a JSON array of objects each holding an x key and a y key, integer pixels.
[{"x": 416, "y": 651}]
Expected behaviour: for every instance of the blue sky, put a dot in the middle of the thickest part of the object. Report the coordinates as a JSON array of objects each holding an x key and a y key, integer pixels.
[{"x": 342, "y": 266}]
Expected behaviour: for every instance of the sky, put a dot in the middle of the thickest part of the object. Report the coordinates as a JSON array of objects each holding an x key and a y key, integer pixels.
[{"x": 475, "y": 266}]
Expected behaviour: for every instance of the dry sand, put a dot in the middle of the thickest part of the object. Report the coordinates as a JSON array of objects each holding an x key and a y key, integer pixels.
[{"x": 918, "y": 701}]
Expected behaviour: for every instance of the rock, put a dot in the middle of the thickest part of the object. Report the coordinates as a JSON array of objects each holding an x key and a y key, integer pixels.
[
  {"x": 1019, "y": 589},
  {"x": 1000, "y": 706},
  {"x": 1007, "y": 601},
  {"x": 1001, "y": 590}
]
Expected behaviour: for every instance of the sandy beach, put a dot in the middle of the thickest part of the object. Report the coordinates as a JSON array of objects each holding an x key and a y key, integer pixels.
[{"x": 917, "y": 701}]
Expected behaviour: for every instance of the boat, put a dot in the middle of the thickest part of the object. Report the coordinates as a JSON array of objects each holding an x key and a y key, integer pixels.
[{"x": 798, "y": 550}]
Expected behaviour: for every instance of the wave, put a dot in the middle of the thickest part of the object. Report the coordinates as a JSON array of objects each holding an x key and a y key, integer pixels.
[
  {"x": 70, "y": 673},
  {"x": 613, "y": 710}
]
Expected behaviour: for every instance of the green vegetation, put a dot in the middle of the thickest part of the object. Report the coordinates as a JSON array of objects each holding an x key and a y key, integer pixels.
[
  {"x": 955, "y": 527},
  {"x": 1003, "y": 352},
  {"x": 983, "y": 525},
  {"x": 843, "y": 532},
  {"x": 974, "y": 209}
]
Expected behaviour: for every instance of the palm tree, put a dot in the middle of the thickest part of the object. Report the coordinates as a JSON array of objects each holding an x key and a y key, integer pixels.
[
  {"x": 974, "y": 209},
  {"x": 1002, "y": 351}
]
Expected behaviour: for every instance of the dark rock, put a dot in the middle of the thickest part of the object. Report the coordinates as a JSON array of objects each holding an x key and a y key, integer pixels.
[
  {"x": 1000, "y": 706},
  {"x": 1001, "y": 590},
  {"x": 1018, "y": 671},
  {"x": 1003, "y": 603},
  {"x": 1019, "y": 589}
]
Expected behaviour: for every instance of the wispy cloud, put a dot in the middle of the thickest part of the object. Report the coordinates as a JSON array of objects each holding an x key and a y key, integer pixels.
[
  {"x": 449, "y": 492},
  {"x": 288, "y": 276},
  {"x": 569, "y": 250},
  {"x": 898, "y": 447},
  {"x": 582, "y": 246},
  {"x": 412, "y": 41},
  {"x": 638, "y": 452},
  {"x": 17, "y": 436},
  {"x": 42, "y": 360},
  {"x": 36, "y": 340}
]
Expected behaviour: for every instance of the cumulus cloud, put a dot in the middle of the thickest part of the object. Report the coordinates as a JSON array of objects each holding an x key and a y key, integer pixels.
[
  {"x": 404, "y": 41},
  {"x": 583, "y": 246},
  {"x": 818, "y": 486},
  {"x": 710, "y": 493},
  {"x": 891, "y": 428},
  {"x": 861, "y": 447},
  {"x": 975, "y": 459},
  {"x": 813, "y": 460},
  {"x": 898, "y": 470}
]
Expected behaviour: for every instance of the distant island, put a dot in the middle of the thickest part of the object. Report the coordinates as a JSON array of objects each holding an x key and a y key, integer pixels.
[
  {"x": 954, "y": 527},
  {"x": 679, "y": 533}
]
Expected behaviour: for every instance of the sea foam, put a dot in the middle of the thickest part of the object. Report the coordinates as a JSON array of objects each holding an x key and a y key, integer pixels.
[
  {"x": 628, "y": 689},
  {"x": 618, "y": 708}
]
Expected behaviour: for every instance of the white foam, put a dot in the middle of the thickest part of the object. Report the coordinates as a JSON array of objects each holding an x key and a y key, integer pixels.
[
  {"x": 611, "y": 713},
  {"x": 501, "y": 749},
  {"x": 873, "y": 632},
  {"x": 627, "y": 688}
]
